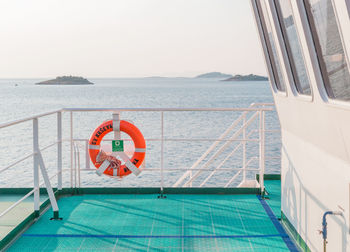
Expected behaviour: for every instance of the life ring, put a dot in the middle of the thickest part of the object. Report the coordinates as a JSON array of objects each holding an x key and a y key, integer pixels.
[{"x": 131, "y": 165}]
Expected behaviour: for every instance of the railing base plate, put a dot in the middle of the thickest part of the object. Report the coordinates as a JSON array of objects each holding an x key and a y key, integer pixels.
[{"x": 56, "y": 216}]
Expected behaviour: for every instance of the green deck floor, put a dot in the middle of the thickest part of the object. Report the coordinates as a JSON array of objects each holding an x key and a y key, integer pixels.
[
  {"x": 273, "y": 188},
  {"x": 145, "y": 223}
]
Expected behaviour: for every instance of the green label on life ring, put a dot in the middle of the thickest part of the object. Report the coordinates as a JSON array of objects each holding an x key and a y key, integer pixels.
[{"x": 117, "y": 145}]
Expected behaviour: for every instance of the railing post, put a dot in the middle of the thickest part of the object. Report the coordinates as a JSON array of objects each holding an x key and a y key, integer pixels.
[
  {"x": 71, "y": 149},
  {"x": 244, "y": 145},
  {"x": 87, "y": 157},
  {"x": 162, "y": 155},
  {"x": 59, "y": 150},
  {"x": 262, "y": 151},
  {"x": 75, "y": 165},
  {"x": 36, "y": 166},
  {"x": 78, "y": 168}
]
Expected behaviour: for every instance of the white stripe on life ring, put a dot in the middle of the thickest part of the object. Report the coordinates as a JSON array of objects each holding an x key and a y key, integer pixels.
[
  {"x": 128, "y": 163},
  {"x": 116, "y": 125},
  {"x": 116, "y": 129},
  {"x": 94, "y": 147},
  {"x": 102, "y": 168},
  {"x": 140, "y": 150}
]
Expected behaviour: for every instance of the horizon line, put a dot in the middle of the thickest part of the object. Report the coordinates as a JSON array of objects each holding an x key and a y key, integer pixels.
[{"x": 129, "y": 77}]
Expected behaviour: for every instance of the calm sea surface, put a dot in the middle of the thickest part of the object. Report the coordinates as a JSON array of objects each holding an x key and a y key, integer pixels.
[{"x": 26, "y": 99}]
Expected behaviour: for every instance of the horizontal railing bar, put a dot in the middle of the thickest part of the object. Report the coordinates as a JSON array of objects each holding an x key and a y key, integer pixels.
[
  {"x": 183, "y": 140},
  {"x": 18, "y": 202},
  {"x": 26, "y": 157},
  {"x": 175, "y": 139},
  {"x": 274, "y": 157},
  {"x": 7, "y": 124},
  {"x": 197, "y": 169},
  {"x": 267, "y": 158},
  {"x": 48, "y": 146},
  {"x": 162, "y": 109},
  {"x": 185, "y": 169},
  {"x": 262, "y": 104},
  {"x": 253, "y": 108},
  {"x": 16, "y": 162}
]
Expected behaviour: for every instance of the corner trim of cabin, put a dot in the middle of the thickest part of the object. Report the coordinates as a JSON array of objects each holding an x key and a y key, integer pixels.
[{"x": 294, "y": 233}]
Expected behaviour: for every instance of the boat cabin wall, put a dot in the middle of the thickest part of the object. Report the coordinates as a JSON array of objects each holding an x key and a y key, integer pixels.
[{"x": 306, "y": 45}]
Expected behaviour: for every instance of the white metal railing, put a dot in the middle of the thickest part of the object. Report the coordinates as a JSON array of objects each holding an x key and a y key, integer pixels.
[
  {"x": 259, "y": 111},
  {"x": 38, "y": 163},
  {"x": 219, "y": 151},
  {"x": 239, "y": 132}
]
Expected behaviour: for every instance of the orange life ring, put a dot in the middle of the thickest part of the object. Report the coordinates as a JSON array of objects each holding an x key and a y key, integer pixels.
[{"x": 136, "y": 136}]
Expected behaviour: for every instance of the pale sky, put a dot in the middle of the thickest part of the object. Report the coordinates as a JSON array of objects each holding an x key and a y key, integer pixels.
[{"x": 127, "y": 38}]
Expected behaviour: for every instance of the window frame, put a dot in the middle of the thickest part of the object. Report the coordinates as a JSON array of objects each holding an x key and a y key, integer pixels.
[
  {"x": 264, "y": 47},
  {"x": 325, "y": 88},
  {"x": 295, "y": 86},
  {"x": 269, "y": 51},
  {"x": 318, "y": 50}
]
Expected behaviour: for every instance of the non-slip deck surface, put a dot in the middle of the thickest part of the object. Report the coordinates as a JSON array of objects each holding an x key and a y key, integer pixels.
[
  {"x": 273, "y": 188},
  {"x": 146, "y": 223}
]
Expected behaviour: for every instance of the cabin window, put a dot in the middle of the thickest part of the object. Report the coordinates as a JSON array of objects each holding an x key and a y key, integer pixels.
[
  {"x": 329, "y": 48},
  {"x": 293, "y": 46},
  {"x": 271, "y": 46}
]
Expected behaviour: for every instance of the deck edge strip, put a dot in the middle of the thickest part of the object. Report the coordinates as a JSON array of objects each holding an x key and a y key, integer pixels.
[
  {"x": 137, "y": 190},
  {"x": 294, "y": 233},
  {"x": 152, "y": 236},
  {"x": 289, "y": 243}
]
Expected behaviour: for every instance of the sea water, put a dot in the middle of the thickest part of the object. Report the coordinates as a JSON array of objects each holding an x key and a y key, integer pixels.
[{"x": 20, "y": 98}]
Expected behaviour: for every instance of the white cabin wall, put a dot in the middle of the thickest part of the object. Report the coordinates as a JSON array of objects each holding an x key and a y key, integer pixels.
[
  {"x": 313, "y": 179},
  {"x": 315, "y": 165}
]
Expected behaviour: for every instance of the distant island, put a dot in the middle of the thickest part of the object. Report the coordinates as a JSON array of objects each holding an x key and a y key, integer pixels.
[
  {"x": 66, "y": 80},
  {"x": 214, "y": 75},
  {"x": 229, "y": 77},
  {"x": 250, "y": 77}
]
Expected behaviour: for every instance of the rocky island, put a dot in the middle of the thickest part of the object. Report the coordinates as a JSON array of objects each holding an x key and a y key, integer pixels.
[
  {"x": 229, "y": 77},
  {"x": 66, "y": 80},
  {"x": 250, "y": 77},
  {"x": 214, "y": 75}
]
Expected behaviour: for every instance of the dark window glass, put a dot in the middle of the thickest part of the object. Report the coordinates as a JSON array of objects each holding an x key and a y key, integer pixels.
[
  {"x": 291, "y": 39},
  {"x": 329, "y": 48},
  {"x": 271, "y": 46}
]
